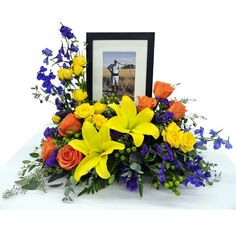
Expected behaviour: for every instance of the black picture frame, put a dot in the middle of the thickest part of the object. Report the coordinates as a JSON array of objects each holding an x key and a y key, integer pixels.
[{"x": 149, "y": 36}]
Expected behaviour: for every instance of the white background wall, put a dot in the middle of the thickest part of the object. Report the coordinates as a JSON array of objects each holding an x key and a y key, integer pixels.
[{"x": 195, "y": 45}]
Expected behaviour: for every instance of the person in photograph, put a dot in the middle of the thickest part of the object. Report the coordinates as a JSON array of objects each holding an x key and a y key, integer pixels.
[{"x": 114, "y": 70}]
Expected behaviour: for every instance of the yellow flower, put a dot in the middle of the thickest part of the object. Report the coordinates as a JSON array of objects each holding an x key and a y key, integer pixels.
[
  {"x": 128, "y": 121},
  {"x": 99, "y": 120},
  {"x": 56, "y": 119},
  {"x": 79, "y": 95},
  {"x": 65, "y": 74},
  {"x": 96, "y": 146},
  {"x": 79, "y": 61},
  {"x": 78, "y": 70},
  {"x": 172, "y": 135},
  {"x": 99, "y": 108},
  {"x": 187, "y": 142},
  {"x": 84, "y": 110}
]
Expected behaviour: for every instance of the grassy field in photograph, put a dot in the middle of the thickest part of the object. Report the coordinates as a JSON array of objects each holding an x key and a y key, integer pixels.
[{"x": 126, "y": 82}]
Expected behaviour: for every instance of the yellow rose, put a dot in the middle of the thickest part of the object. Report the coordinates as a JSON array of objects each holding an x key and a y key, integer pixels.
[
  {"x": 84, "y": 110},
  {"x": 173, "y": 138},
  {"x": 79, "y": 95},
  {"x": 65, "y": 74},
  {"x": 172, "y": 127},
  {"x": 187, "y": 142},
  {"x": 78, "y": 70},
  {"x": 99, "y": 108},
  {"x": 56, "y": 119},
  {"x": 80, "y": 61},
  {"x": 99, "y": 120}
]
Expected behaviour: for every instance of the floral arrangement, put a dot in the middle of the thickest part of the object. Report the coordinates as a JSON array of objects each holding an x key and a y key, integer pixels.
[{"x": 91, "y": 144}]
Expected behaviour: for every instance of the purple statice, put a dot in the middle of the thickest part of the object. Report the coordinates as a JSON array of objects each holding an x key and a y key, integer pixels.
[
  {"x": 165, "y": 118},
  {"x": 159, "y": 149},
  {"x": 115, "y": 135},
  {"x": 161, "y": 173},
  {"x": 199, "y": 131},
  {"x": 66, "y": 32},
  {"x": 49, "y": 132},
  {"x": 130, "y": 182},
  {"x": 144, "y": 150},
  {"x": 164, "y": 101},
  {"x": 51, "y": 161},
  {"x": 62, "y": 114}
]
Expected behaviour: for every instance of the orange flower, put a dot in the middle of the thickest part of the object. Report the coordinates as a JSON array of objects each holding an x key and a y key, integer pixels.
[
  {"x": 69, "y": 123},
  {"x": 47, "y": 148},
  {"x": 162, "y": 90},
  {"x": 178, "y": 109},
  {"x": 144, "y": 102},
  {"x": 68, "y": 157}
]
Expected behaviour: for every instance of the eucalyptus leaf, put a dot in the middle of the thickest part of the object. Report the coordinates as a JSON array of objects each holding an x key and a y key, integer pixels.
[
  {"x": 111, "y": 179},
  {"x": 26, "y": 162},
  {"x": 32, "y": 185},
  {"x": 34, "y": 154},
  {"x": 55, "y": 185}
]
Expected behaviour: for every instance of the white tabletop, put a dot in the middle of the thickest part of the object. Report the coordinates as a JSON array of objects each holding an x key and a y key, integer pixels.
[{"x": 221, "y": 195}]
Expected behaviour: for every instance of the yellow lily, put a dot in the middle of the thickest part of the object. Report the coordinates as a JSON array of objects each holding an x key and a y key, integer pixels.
[
  {"x": 96, "y": 146},
  {"x": 128, "y": 121}
]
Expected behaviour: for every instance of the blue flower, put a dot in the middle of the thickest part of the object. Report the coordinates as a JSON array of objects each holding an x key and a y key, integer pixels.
[
  {"x": 62, "y": 114},
  {"x": 144, "y": 150},
  {"x": 199, "y": 131},
  {"x": 59, "y": 57},
  {"x": 65, "y": 67},
  {"x": 51, "y": 161},
  {"x": 59, "y": 90},
  {"x": 165, "y": 118},
  {"x": 49, "y": 132},
  {"x": 228, "y": 145},
  {"x": 42, "y": 69},
  {"x": 218, "y": 142},
  {"x": 73, "y": 48},
  {"x": 66, "y": 32},
  {"x": 164, "y": 101},
  {"x": 213, "y": 133},
  {"x": 130, "y": 183},
  {"x": 47, "y": 52},
  {"x": 59, "y": 105}
]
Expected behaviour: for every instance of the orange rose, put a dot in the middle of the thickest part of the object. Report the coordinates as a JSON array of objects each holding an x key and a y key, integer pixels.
[
  {"x": 144, "y": 102},
  {"x": 178, "y": 109},
  {"x": 68, "y": 157},
  {"x": 47, "y": 148},
  {"x": 162, "y": 90},
  {"x": 69, "y": 123}
]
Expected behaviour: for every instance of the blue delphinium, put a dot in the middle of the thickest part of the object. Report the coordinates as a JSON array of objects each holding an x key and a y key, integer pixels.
[
  {"x": 66, "y": 32},
  {"x": 199, "y": 131},
  {"x": 73, "y": 48},
  {"x": 47, "y": 52},
  {"x": 228, "y": 145},
  {"x": 161, "y": 173},
  {"x": 51, "y": 161},
  {"x": 213, "y": 133},
  {"x": 218, "y": 142}
]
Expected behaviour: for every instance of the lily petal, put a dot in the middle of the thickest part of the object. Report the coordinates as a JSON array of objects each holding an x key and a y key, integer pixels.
[
  {"x": 79, "y": 145},
  {"x": 116, "y": 108},
  {"x": 148, "y": 129},
  {"x": 104, "y": 134},
  {"x": 118, "y": 124},
  {"x": 101, "y": 168},
  {"x": 138, "y": 139},
  {"x": 145, "y": 115},
  {"x": 128, "y": 108},
  {"x": 91, "y": 136},
  {"x": 110, "y": 146},
  {"x": 86, "y": 165}
]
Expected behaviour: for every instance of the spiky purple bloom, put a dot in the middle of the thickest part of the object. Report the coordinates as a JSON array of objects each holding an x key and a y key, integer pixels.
[
  {"x": 130, "y": 183},
  {"x": 51, "y": 161}
]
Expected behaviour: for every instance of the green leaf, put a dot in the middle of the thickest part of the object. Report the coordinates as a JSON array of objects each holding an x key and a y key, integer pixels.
[
  {"x": 31, "y": 168},
  {"x": 26, "y": 161},
  {"x": 55, "y": 185},
  {"x": 83, "y": 192},
  {"x": 32, "y": 185},
  {"x": 34, "y": 154},
  {"x": 111, "y": 179},
  {"x": 202, "y": 147},
  {"x": 67, "y": 192},
  {"x": 56, "y": 176},
  {"x": 20, "y": 182}
]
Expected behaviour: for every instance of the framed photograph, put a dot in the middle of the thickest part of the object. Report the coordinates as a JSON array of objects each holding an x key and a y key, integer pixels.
[{"x": 120, "y": 63}]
